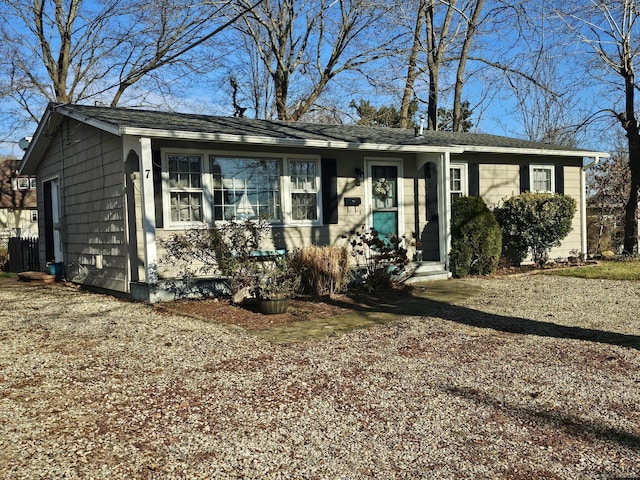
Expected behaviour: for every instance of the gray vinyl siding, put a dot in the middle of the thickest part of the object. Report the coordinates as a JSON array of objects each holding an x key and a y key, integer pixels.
[{"x": 90, "y": 167}]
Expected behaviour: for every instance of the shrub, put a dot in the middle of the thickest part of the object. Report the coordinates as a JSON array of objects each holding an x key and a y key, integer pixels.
[
  {"x": 476, "y": 240},
  {"x": 227, "y": 249},
  {"x": 534, "y": 222},
  {"x": 381, "y": 259},
  {"x": 324, "y": 270}
]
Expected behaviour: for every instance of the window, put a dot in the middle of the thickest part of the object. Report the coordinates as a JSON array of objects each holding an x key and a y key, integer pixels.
[
  {"x": 201, "y": 187},
  {"x": 542, "y": 178},
  {"x": 304, "y": 190},
  {"x": 458, "y": 180},
  {"x": 23, "y": 183},
  {"x": 34, "y": 216},
  {"x": 185, "y": 188},
  {"x": 246, "y": 188},
  {"x": 32, "y": 182}
]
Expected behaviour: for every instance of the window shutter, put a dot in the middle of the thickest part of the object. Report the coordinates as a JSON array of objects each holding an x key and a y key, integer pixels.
[
  {"x": 474, "y": 180},
  {"x": 524, "y": 178},
  {"x": 329, "y": 184},
  {"x": 559, "y": 180}
]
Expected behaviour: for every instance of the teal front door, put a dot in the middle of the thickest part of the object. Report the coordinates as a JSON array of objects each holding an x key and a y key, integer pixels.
[{"x": 384, "y": 195}]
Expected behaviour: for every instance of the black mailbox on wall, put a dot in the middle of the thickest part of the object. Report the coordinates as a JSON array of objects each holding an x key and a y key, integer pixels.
[{"x": 352, "y": 201}]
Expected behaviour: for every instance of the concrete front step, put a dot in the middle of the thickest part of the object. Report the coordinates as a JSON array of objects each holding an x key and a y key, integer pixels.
[{"x": 427, "y": 272}]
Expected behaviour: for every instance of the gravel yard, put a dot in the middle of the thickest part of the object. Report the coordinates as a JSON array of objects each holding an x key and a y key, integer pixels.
[{"x": 538, "y": 377}]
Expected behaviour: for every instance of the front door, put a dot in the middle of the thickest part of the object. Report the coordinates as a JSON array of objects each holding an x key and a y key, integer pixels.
[{"x": 384, "y": 199}]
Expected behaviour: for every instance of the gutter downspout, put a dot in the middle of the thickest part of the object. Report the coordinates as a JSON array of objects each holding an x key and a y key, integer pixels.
[{"x": 583, "y": 204}]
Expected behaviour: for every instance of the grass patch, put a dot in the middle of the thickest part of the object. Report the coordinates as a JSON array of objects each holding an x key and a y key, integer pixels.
[
  {"x": 603, "y": 270},
  {"x": 7, "y": 275}
]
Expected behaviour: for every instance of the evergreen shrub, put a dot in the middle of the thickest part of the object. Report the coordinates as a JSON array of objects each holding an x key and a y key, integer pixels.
[
  {"x": 534, "y": 222},
  {"x": 476, "y": 239}
]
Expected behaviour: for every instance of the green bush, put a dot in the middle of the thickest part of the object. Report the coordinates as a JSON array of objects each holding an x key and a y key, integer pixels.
[
  {"x": 534, "y": 222},
  {"x": 476, "y": 240}
]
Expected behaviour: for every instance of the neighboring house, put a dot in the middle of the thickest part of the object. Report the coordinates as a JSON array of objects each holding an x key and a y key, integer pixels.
[
  {"x": 18, "y": 209},
  {"x": 114, "y": 181}
]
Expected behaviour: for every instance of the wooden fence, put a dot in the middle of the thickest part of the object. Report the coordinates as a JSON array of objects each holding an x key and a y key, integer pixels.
[{"x": 23, "y": 254}]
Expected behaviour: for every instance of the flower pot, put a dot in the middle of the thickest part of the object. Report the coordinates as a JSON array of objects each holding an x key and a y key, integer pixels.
[{"x": 270, "y": 306}]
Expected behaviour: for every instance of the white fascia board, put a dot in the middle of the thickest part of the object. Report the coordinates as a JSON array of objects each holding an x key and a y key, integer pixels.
[
  {"x": 41, "y": 139},
  {"x": 285, "y": 142},
  {"x": 533, "y": 151},
  {"x": 107, "y": 127}
]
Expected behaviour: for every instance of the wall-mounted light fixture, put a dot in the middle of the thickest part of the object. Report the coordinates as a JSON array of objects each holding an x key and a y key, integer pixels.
[{"x": 359, "y": 176}]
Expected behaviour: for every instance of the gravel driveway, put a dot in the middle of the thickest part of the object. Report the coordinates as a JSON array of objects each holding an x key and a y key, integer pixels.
[{"x": 537, "y": 377}]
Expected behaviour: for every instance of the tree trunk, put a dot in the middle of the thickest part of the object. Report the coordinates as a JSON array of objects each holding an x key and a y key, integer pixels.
[
  {"x": 472, "y": 25},
  {"x": 630, "y": 211},
  {"x": 412, "y": 69},
  {"x": 630, "y": 124}
]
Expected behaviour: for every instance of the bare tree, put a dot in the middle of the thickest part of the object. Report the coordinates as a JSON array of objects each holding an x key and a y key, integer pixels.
[
  {"x": 610, "y": 30},
  {"x": 305, "y": 44},
  {"x": 75, "y": 50},
  {"x": 440, "y": 37}
]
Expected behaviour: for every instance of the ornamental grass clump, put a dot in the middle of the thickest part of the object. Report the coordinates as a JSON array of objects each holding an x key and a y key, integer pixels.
[
  {"x": 476, "y": 240},
  {"x": 324, "y": 270}
]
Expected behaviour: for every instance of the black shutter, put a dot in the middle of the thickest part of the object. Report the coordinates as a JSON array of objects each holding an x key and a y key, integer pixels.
[
  {"x": 559, "y": 179},
  {"x": 329, "y": 185},
  {"x": 474, "y": 180},
  {"x": 524, "y": 178}
]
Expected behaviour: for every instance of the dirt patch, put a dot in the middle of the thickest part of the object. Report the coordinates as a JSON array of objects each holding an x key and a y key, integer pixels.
[
  {"x": 312, "y": 316},
  {"x": 301, "y": 308}
]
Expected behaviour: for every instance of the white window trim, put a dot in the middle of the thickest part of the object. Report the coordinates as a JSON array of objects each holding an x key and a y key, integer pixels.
[
  {"x": 551, "y": 168},
  {"x": 287, "y": 191},
  {"x": 207, "y": 186},
  {"x": 26, "y": 183},
  {"x": 205, "y": 189},
  {"x": 464, "y": 179}
]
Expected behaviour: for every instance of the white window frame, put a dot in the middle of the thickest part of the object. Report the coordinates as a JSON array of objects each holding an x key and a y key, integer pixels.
[
  {"x": 552, "y": 175},
  {"x": 33, "y": 183},
  {"x": 34, "y": 216},
  {"x": 288, "y": 190},
  {"x": 247, "y": 156},
  {"x": 207, "y": 186},
  {"x": 204, "y": 188},
  {"x": 464, "y": 180},
  {"x": 23, "y": 183}
]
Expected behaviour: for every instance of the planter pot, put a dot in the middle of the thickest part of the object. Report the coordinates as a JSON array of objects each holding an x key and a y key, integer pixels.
[
  {"x": 270, "y": 306},
  {"x": 56, "y": 269}
]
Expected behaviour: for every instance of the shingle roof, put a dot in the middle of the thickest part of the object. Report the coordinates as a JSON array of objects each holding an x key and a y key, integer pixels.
[{"x": 127, "y": 118}]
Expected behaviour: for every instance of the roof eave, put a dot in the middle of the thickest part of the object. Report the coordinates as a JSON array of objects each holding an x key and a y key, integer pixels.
[
  {"x": 285, "y": 142},
  {"x": 534, "y": 151},
  {"x": 107, "y": 127},
  {"x": 39, "y": 143}
]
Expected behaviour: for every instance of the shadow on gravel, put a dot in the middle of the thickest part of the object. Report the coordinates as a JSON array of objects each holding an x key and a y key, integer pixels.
[
  {"x": 569, "y": 423},
  {"x": 422, "y": 303}
]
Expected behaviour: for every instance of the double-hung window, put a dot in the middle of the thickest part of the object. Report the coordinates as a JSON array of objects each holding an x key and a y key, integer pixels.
[
  {"x": 542, "y": 178},
  {"x": 185, "y": 188},
  {"x": 303, "y": 178},
  {"x": 458, "y": 185}
]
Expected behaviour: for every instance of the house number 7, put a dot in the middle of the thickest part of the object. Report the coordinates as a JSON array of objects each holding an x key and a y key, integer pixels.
[{"x": 147, "y": 173}]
